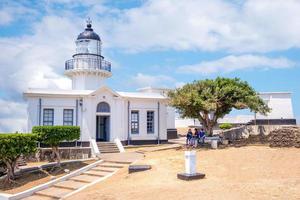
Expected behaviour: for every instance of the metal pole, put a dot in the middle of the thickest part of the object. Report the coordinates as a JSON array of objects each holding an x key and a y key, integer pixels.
[
  {"x": 128, "y": 121},
  {"x": 40, "y": 111},
  {"x": 158, "y": 114}
]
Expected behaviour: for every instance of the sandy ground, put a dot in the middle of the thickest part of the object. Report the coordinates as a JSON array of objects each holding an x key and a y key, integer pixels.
[{"x": 253, "y": 172}]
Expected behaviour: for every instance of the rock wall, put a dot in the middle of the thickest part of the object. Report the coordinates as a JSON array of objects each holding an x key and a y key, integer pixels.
[
  {"x": 275, "y": 135},
  {"x": 68, "y": 153},
  {"x": 285, "y": 137}
]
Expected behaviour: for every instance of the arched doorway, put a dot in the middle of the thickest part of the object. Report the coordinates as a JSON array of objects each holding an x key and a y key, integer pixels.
[{"x": 103, "y": 122}]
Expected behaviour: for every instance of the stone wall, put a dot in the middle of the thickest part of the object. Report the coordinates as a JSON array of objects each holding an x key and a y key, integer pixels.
[
  {"x": 274, "y": 135},
  {"x": 247, "y": 131},
  {"x": 67, "y": 153}
]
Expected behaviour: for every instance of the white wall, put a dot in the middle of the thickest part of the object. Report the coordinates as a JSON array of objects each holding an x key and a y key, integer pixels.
[
  {"x": 149, "y": 105},
  {"x": 281, "y": 105},
  {"x": 170, "y": 117},
  {"x": 58, "y": 104},
  {"x": 85, "y": 81},
  {"x": 118, "y": 115}
]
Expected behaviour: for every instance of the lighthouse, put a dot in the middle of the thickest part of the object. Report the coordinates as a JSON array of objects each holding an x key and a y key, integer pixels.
[{"x": 88, "y": 69}]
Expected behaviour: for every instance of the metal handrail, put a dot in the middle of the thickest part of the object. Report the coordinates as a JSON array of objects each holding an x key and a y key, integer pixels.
[{"x": 88, "y": 63}]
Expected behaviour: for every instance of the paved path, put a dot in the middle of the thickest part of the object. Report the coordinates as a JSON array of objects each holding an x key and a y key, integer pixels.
[
  {"x": 160, "y": 148},
  {"x": 112, "y": 162},
  {"x": 125, "y": 157}
]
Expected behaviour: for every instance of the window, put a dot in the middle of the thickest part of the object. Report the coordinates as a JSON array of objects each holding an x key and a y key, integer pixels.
[
  {"x": 150, "y": 121},
  {"x": 48, "y": 117},
  {"x": 103, "y": 107},
  {"x": 68, "y": 117},
  {"x": 134, "y": 122}
]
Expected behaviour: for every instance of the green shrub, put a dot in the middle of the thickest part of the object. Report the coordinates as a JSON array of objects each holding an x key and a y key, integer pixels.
[
  {"x": 54, "y": 135},
  {"x": 225, "y": 126},
  {"x": 12, "y": 146}
]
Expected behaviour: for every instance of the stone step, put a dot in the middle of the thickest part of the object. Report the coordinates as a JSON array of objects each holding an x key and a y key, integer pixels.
[
  {"x": 96, "y": 173},
  {"x": 109, "y": 149},
  {"x": 70, "y": 184},
  {"x": 54, "y": 192},
  {"x": 39, "y": 197},
  {"x": 104, "y": 169},
  {"x": 109, "y": 152},
  {"x": 111, "y": 165},
  {"x": 85, "y": 178},
  {"x": 106, "y": 144}
]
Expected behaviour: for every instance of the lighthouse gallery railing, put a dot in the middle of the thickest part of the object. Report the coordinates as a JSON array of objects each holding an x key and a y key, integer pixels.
[{"x": 88, "y": 63}]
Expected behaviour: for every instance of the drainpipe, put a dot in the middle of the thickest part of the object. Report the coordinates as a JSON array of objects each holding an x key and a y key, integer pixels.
[
  {"x": 76, "y": 120},
  {"x": 77, "y": 112},
  {"x": 158, "y": 114},
  {"x": 128, "y": 132},
  {"x": 40, "y": 111}
]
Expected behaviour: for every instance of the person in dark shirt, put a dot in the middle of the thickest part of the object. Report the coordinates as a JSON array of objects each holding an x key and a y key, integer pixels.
[
  {"x": 189, "y": 136},
  {"x": 195, "y": 138},
  {"x": 201, "y": 136}
]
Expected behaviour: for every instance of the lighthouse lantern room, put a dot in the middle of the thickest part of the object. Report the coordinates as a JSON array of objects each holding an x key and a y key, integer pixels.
[{"x": 88, "y": 69}]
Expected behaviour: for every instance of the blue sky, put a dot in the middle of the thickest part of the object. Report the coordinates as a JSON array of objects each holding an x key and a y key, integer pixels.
[{"x": 150, "y": 43}]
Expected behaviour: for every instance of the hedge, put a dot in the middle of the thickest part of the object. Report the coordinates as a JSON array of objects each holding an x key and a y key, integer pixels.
[
  {"x": 225, "y": 126},
  {"x": 12, "y": 146},
  {"x": 54, "y": 135}
]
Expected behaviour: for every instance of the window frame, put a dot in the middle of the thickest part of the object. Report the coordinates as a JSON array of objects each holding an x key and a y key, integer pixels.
[
  {"x": 135, "y": 130},
  {"x": 65, "y": 122},
  {"x": 48, "y": 122},
  {"x": 152, "y": 122}
]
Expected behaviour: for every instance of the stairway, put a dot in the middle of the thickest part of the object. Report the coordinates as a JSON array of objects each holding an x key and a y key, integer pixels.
[
  {"x": 108, "y": 147},
  {"x": 77, "y": 183}
]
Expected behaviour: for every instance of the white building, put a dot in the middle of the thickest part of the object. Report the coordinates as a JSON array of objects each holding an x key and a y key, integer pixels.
[
  {"x": 102, "y": 113},
  {"x": 281, "y": 112}
]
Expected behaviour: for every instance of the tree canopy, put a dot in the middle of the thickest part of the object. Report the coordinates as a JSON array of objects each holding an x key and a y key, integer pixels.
[
  {"x": 12, "y": 146},
  {"x": 54, "y": 135},
  {"x": 210, "y": 99}
]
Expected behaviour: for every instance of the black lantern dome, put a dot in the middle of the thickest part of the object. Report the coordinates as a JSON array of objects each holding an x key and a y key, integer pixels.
[{"x": 88, "y": 33}]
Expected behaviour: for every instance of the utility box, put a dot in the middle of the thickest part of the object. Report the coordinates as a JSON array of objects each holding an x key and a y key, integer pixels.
[
  {"x": 190, "y": 167},
  {"x": 190, "y": 162}
]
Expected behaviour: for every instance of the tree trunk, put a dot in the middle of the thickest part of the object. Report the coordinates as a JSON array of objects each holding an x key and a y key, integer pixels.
[
  {"x": 207, "y": 124},
  {"x": 56, "y": 152},
  {"x": 10, "y": 170}
]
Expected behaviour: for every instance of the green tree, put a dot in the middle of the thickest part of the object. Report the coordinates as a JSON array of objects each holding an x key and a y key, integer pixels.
[
  {"x": 211, "y": 99},
  {"x": 12, "y": 146},
  {"x": 54, "y": 135}
]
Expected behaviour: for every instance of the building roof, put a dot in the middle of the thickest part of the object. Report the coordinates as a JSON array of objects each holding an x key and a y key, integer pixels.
[
  {"x": 39, "y": 91},
  {"x": 60, "y": 92},
  {"x": 88, "y": 33},
  {"x": 268, "y": 93},
  {"x": 141, "y": 95}
]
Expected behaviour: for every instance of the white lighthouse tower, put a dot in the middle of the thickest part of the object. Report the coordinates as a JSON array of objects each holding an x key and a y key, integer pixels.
[{"x": 88, "y": 69}]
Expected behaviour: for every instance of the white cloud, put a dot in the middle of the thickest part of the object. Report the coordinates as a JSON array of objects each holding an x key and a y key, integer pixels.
[
  {"x": 35, "y": 61},
  {"x": 12, "y": 116},
  {"x": 247, "y": 26},
  {"x": 144, "y": 80},
  {"x": 13, "y": 11},
  {"x": 234, "y": 63}
]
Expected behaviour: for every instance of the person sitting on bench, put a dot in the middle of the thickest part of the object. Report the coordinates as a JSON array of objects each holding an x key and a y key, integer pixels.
[
  {"x": 189, "y": 136},
  {"x": 201, "y": 136}
]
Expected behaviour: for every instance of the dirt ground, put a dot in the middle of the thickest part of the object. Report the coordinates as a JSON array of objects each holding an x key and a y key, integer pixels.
[
  {"x": 252, "y": 172},
  {"x": 30, "y": 180}
]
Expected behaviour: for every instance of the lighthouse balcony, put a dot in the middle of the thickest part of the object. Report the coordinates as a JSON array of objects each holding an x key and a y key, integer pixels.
[{"x": 88, "y": 64}]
